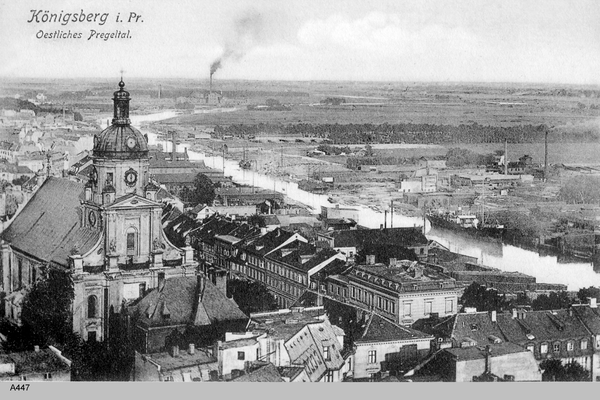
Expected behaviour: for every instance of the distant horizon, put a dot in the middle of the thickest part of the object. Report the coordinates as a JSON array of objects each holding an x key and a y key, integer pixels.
[{"x": 233, "y": 80}]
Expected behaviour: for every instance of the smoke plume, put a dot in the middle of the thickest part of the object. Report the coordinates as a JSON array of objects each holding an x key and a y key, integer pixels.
[{"x": 248, "y": 32}]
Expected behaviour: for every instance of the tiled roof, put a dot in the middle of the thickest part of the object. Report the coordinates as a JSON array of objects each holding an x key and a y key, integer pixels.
[
  {"x": 589, "y": 316},
  {"x": 265, "y": 373},
  {"x": 544, "y": 325},
  {"x": 479, "y": 352},
  {"x": 476, "y": 326},
  {"x": 49, "y": 225},
  {"x": 180, "y": 301},
  {"x": 379, "y": 329},
  {"x": 169, "y": 363}
]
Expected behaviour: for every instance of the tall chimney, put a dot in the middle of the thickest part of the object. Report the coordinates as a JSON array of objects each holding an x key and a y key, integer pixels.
[
  {"x": 210, "y": 84},
  {"x": 173, "y": 146},
  {"x": 546, "y": 157},
  {"x": 392, "y": 213},
  {"x": 384, "y": 219},
  {"x": 505, "y": 156}
]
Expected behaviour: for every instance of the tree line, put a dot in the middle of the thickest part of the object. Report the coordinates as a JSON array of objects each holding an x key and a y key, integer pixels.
[{"x": 414, "y": 133}]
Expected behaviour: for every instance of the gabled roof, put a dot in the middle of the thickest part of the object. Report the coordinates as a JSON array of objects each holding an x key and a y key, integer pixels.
[
  {"x": 589, "y": 316},
  {"x": 49, "y": 225},
  {"x": 543, "y": 325},
  {"x": 479, "y": 352},
  {"x": 379, "y": 329},
  {"x": 180, "y": 301},
  {"x": 265, "y": 373}
]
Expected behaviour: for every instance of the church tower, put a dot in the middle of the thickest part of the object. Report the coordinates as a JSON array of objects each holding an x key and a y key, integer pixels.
[{"x": 119, "y": 204}]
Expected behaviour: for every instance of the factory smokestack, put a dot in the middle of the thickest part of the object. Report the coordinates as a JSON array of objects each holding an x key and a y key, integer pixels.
[
  {"x": 210, "y": 83},
  {"x": 172, "y": 145},
  {"x": 546, "y": 157},
  {"x": 505, "y": 157}
]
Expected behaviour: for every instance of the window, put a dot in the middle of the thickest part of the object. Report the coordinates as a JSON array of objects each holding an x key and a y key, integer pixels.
[
  {"x": 47, "y": 376},
  {"x": 338, "y": 290},
  {"x": 326, "y": 354},
  {"x": 449, "y": 306},
  {"x": 331, "y": 288},
  {"x": 569, "y": 346},
  {"x": 406, "y": 309},
  {"x": 329, "y": 377},
  {"x": 257, "y": 353},
  {"x": 131, "y": 242},
  {"x": 353, "y": 292},
  {"x": 372, "y": 357},
  {"x": 91, "y": 336},
  {"x": 109, "y": 178},
  {"x": 392, "y": 307},
  {"x": 92, "y": 306},
  {"x": 544, "y": 348},
  {"x": 379, "y": 302},
  {"x": 584, "y": 344},
  {"x": 168, "y": 379},
  {"x": 428, "y": 307},
  {"x": 241, "y": 355},
  {"x": 556, "y": 347},
  {"x": 531, "y": 347}
]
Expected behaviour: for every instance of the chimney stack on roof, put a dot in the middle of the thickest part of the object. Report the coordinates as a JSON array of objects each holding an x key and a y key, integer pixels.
[
  {"x": 175, "y": 351},
  {"x": 192, "y": 348},
  {"x": 592, "y": 302},
  {"x": 370, "y": 259},
  {"x": 493, "y": 315},
  {"x": 514, "y": 313},
  {"x": 470, "y": 310},
  {"x": 36, "y": 348}
]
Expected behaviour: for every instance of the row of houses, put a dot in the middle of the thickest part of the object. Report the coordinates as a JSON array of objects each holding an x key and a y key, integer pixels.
[{"x": 568, "y": 335}]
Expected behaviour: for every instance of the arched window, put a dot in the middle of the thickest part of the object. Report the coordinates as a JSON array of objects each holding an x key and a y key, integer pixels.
[{"x": 92, "y": 306}]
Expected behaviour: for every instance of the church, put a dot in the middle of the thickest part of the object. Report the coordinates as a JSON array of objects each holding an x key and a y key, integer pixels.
[{"x": 106, "y": 232}]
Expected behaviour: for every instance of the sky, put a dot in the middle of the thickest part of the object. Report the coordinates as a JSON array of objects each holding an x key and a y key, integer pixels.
[{"x": 549, "y": 41}]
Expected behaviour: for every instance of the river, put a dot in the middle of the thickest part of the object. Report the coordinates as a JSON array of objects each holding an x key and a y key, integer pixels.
[{"x": 546, "y": 269}]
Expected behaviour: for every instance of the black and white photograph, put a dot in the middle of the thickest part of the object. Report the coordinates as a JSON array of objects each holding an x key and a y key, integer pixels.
[{"x": 391, "y": 191}]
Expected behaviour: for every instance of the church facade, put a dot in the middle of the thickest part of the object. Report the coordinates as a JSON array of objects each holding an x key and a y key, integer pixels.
[{"x": 106, "y": 232}]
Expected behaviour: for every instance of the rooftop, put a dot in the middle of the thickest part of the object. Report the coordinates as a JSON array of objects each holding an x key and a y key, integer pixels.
[
  {"x": 479, "y": 352},
  {"x": 168, "y": 363},
  {"x": 49, "y": 225}
]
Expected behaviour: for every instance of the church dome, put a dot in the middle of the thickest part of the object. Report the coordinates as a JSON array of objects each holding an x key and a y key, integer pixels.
[{"x": 121, "y": 140}]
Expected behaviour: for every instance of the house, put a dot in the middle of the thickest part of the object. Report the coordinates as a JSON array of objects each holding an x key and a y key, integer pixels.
[
  {"x": 193, "y": 365},
  {"x": 302, "y": 338},
  {"x": 38, "y": 365},
  {"x": 506, "y": 362},
  {"x": 183, "y": 310},
  {"x": 385, "y": 346},
  {"x": 403, "y": 291},
  {"x": 349, "y": 242},
  {"x": 551, "y": 334}
]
